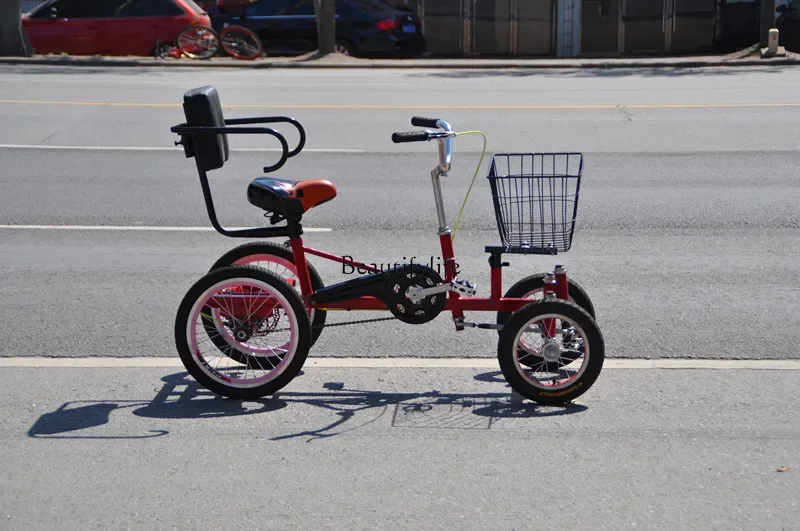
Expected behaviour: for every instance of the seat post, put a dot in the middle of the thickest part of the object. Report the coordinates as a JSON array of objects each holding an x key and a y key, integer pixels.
[
  {"x": 496, "y": 266},
  {"x": 299, "y": 253}
]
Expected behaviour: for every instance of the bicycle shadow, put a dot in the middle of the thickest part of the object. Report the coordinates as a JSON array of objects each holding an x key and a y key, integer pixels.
[{"x": 181, "y": 398}]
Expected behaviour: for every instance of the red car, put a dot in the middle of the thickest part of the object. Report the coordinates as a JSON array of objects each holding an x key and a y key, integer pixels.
[{"x": 109, "y": 27}]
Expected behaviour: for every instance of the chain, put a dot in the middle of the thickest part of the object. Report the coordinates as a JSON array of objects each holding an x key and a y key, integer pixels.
[{"x": 362, "y": 321}]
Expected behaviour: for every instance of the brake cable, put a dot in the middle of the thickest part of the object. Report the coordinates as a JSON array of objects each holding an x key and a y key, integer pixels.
[{"x": 477, "y": 169}]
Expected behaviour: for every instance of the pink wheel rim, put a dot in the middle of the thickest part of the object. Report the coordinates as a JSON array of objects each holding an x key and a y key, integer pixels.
[
  {"x": 216, "y": 364},
  {"x": 535, "y": 350}
]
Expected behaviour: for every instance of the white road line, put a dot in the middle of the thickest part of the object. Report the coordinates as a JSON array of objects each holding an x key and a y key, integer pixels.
[
  {"x": 135, "y": 228},
  {"x": 163, "y": 148},
  {"x": 409, "y": 363}
]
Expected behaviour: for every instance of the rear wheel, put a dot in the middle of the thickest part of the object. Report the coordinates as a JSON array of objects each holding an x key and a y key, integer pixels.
[
  {"x": 241, "y": 43},
  {"x": 267, "y": 319},
  {"x": 280, "y": 260}
]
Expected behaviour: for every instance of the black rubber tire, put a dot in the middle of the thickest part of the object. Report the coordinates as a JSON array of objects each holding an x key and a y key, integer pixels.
[
  {"x": 161, "y": 50},
  {"x": 284, "y": 253},
  {"x": 245, "y": 272},
  {"x": 536, "y": 282},
  {"x": 506, "y": 347},
  {"x": 351, "y": 50}
]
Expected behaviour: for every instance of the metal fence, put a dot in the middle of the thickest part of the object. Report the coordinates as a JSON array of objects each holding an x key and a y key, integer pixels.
[{"x": 488, "y": 27}]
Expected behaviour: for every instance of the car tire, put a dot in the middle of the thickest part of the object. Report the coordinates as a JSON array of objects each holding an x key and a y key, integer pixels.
[{"x": 345, "y": 48}]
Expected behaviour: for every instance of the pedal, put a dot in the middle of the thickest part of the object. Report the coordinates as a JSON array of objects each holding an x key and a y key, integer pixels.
[{"x": 464, "y": 287}]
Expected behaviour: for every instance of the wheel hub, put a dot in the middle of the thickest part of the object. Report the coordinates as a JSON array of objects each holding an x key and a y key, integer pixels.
[
  {"x": 551, "y": 352},
  {"x": 242, "y": 334}
]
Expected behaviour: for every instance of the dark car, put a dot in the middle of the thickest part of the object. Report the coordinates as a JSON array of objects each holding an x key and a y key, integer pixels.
[
  {"x": 788, "y": 25},
  {"x": 364, "y": 28}
]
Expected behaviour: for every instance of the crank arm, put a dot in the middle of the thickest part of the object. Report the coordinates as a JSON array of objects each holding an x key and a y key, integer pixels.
[
  {"x": 416, "y": 295},
  {"x": 462, "y": 287}
]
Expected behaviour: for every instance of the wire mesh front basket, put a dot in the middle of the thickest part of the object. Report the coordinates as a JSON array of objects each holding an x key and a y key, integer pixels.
[{"x": 536, "y": 200}]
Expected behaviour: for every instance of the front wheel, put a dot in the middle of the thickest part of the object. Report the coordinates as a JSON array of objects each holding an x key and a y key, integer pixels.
[
  {"x": 198, "y": 42},
  {"x": 551, "y": 352},
  {"x": 259, "y": 314},
  {"x": 532, "y": 287}
]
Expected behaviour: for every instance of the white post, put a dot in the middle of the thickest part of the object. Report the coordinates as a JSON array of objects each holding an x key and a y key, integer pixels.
[
  {"x": 773, "y": 49},
  {"x": 772, "y": 43}
]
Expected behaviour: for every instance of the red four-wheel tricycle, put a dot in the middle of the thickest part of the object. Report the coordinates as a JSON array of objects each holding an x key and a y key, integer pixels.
[{"x": 244, "y": 330}]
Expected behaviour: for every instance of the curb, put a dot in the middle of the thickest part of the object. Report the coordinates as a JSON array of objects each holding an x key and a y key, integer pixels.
[
  {"x": 402, "y": 362},
  {"x": 454, "y": 64}
]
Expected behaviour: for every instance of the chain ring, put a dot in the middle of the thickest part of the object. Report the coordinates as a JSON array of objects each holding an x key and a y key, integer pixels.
[{"x": 401, "y": 307}]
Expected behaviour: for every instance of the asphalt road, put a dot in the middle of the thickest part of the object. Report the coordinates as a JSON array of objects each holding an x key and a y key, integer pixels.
[
  {"x": 687, "y": 221},
  {"x": 686, "y": 238}
]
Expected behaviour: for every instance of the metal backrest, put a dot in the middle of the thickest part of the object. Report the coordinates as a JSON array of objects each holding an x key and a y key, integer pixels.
[{"x": 202, "y": 108}]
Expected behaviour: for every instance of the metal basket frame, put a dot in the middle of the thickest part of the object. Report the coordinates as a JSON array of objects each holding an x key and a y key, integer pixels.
[{"x": 535, "y": 197}]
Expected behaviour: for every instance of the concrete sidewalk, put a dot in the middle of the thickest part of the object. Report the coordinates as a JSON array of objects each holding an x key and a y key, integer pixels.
[
  {"x": 741, "y": 58},
  {"x": 421, "y": 448}
]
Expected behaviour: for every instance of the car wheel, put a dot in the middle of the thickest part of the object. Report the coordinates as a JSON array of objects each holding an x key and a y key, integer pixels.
[{"x": 344, "y": 48}]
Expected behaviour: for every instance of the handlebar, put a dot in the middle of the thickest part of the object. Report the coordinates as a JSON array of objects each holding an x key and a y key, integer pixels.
[
  {"x": 420, "y": 121},
  {"x": 414, "y": 136},
  {"x": 445, "y": 138}
]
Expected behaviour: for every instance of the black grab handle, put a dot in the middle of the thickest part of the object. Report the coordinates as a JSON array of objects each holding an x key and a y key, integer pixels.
[
  {"x": 421, "y": 121},
  {"x": 415, "y": 136},
  {"x": 274, "y": 119}
]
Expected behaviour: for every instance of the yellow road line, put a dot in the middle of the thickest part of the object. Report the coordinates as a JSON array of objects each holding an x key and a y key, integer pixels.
[{"x": 415, "y": 107}]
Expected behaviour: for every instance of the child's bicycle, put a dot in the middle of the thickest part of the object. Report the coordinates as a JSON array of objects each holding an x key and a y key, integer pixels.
[
  {"x": 202, "y": 42},
  {"x": 244, "y": 331}
]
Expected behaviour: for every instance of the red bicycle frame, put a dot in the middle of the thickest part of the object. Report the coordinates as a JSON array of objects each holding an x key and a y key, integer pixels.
[
  {"x": 557, "y": 283},
  {"x": 456, "y": 304}
]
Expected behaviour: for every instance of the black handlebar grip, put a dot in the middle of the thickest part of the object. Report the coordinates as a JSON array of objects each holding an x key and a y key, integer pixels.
[
  {"x": 421, "y": 121},
  {"x": 415, "y": 136}
]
